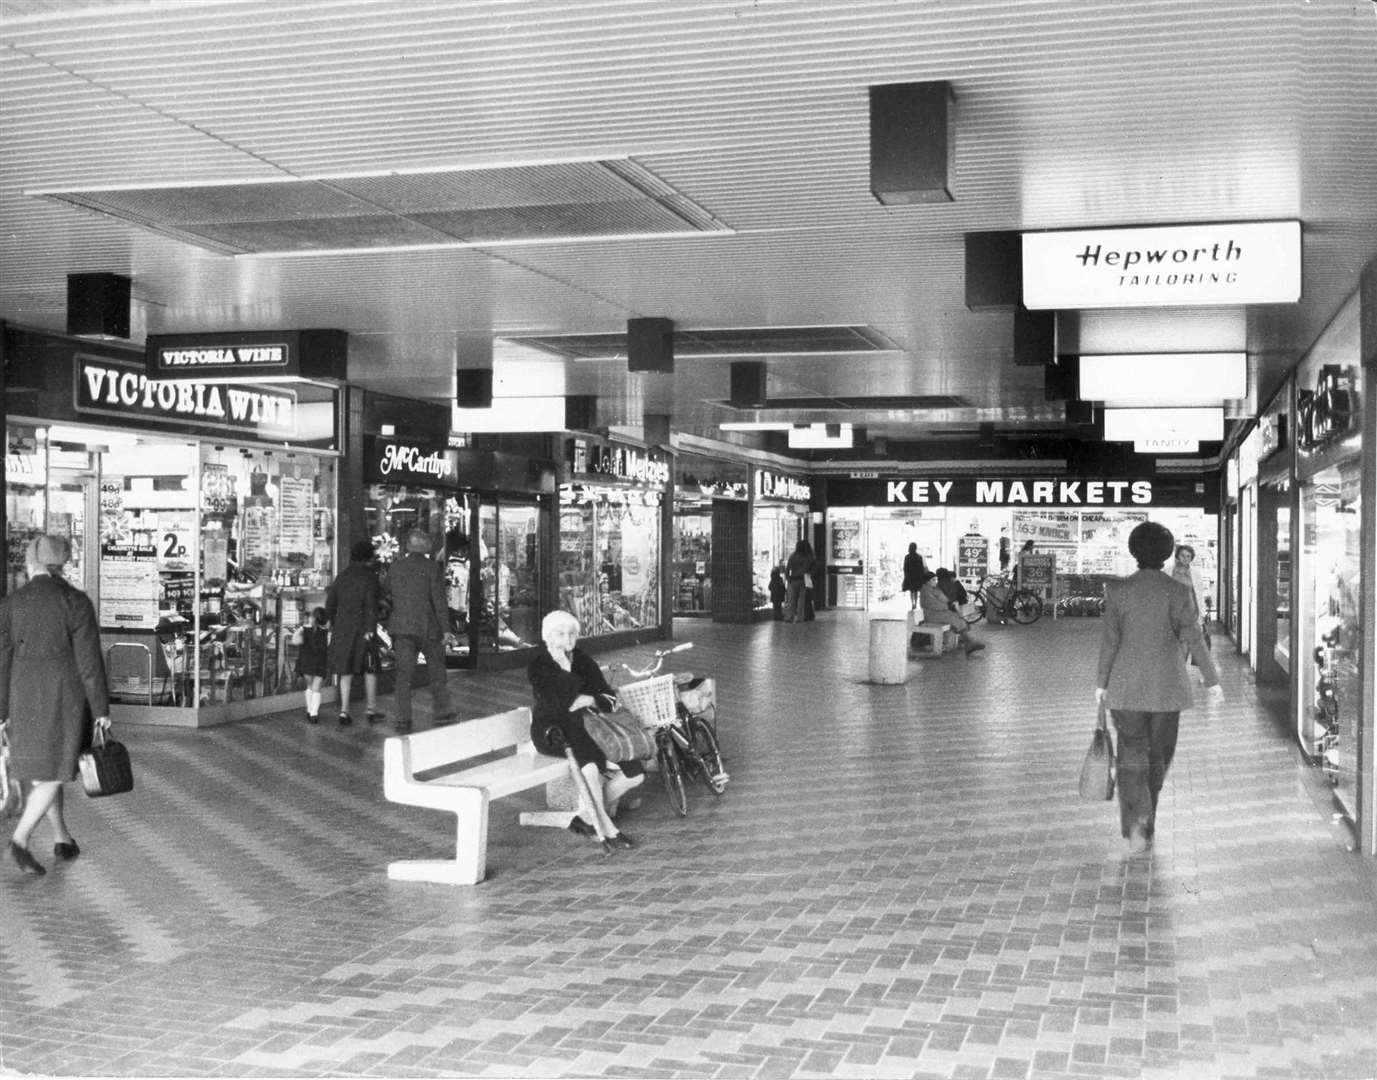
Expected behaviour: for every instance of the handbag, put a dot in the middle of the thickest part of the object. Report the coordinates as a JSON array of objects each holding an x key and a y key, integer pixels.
[
  {"x": 105, "y": 768},
  {"x": 619, "y": 739},
  {"x": 372, "y": 656},
  {"x": 1097, "y": 770}
]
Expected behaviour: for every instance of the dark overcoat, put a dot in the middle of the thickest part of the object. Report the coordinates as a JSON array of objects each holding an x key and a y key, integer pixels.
[
  {"x": 415, "y": 586},
  {"x": 50, "y": 672},
  {"x": 351, "y": 606}
]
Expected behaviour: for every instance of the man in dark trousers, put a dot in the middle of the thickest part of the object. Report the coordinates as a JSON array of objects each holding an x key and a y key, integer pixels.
[{"x": 415, "y": 584}]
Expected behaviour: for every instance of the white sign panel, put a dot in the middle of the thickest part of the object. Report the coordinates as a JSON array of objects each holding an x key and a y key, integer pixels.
[{"x": 1163, "y": 266}]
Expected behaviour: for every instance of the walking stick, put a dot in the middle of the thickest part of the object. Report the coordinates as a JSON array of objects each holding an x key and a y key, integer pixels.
[{"x": 556, "y": 738}]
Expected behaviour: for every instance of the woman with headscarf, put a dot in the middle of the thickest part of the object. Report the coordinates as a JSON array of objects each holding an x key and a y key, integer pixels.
[{"x": 52, "y": 678}]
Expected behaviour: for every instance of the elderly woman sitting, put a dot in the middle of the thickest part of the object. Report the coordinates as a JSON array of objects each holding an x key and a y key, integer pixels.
[
  {"x": 939, "y": 607},
  {"x": 565, "y": 681}
]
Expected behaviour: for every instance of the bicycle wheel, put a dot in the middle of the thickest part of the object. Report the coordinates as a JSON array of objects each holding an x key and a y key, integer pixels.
[
  {"x": 672, "y": 773},
  {"x": 1025, "y": 606},
  {"x": 978, "y": 603},
  {"x": 710, "y": 769}
]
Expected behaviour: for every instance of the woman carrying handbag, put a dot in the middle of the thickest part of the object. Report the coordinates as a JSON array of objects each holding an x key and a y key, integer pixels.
[{"x": 52, "y": 678}]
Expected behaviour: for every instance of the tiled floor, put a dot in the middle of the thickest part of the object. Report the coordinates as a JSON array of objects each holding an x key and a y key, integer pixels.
[{"x": 900, "y": 882}]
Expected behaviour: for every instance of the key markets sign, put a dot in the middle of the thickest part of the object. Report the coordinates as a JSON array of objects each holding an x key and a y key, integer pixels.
[
  {"x": 1016, "y": 492},
  {"x": 1255, "y": 262}
]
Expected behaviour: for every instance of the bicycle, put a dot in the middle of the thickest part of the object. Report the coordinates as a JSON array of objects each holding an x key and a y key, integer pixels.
[
  {"x": 998, "y": 594},
  {"x": 682, "y": 710}
]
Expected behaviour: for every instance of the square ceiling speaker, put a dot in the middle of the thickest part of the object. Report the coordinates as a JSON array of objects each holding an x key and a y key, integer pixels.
[
  {"x": 98, "y": 305},
  {"x": 650, "y": 345},
  {"x": 911, "y": 144},
  {"x": 473, "y": 388},
  {"x": 748, "y": 384},
  {"x": 994, "y": 271}
]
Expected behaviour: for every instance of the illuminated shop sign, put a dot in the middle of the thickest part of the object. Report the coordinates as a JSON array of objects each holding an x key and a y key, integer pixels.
[
  {"x": 398, "y": 462},
  {"x": 769, "y": 485},
  {"x": 109, "y": 388},
  {"x": 1329, "y": 411},
  {"x": 970, "y": 491},
  {"x": 248, "y": 356},
  {"x": 617, "y": 462},
  {"x": 1271, "y": 435},
  {"x": 1163, "y": 266}
]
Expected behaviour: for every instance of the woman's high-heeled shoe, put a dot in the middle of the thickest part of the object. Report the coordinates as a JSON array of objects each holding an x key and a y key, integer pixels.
[
  {"x": 26, "y": 862},
  {"x": 66, "y": 849}
]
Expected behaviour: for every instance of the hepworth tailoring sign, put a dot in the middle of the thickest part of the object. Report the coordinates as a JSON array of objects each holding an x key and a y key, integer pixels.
[{"x": 1163, "y": 266}]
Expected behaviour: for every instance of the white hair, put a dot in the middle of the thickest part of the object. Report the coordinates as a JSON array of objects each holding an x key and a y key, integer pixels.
[{"x": 555, "y": 622}]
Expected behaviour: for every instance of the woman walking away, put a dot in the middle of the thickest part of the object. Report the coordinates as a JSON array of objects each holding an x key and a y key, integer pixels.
[
  {"x": 1142, "y": 675},
  {"x": 797, "y": 572},
  {"x": 351, "y": 606},
  {"x": 51, "y": 678},
  {"x": 312, "y": 642},
  {"x": 565, "y": 680},
  {"x": 915, "y": 570}
]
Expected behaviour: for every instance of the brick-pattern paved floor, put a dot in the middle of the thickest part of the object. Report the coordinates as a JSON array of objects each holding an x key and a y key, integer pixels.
[{"x": 899, "y": 882}]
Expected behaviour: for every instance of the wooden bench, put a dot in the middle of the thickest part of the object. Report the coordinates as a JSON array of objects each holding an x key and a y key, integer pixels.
[{"x": 435, "y": 769}]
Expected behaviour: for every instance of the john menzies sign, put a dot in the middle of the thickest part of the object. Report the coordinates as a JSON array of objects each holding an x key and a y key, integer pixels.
[{"x": 1163, "y": 266}]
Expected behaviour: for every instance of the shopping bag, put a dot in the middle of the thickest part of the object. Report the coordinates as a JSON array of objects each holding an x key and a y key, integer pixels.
[
  {"x": 618, "y": 738},
  {"x": 1097, "y": 770},
  {"x": 105, "y": 767}
]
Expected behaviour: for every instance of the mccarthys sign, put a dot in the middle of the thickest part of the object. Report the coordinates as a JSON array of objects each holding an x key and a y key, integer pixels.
[
  {"x": 1163, "y": 266},
  {"x": 1016, "y": 492},
  {"x": 402, "y": 462},
  {"x": 112, "y": 389},
  {"x": 769, "y": 485}
]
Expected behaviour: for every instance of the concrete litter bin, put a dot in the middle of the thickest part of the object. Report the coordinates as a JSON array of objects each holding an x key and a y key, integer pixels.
[{"x": 889, "y": 650}]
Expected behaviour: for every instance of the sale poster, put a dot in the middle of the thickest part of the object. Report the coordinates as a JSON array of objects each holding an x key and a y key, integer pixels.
[{"x": 129, "y": 590}]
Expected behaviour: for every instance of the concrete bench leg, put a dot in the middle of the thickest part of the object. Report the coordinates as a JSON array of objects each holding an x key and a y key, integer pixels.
[
  {"x": 563, "y": 801},
  {"x": 469, "y": 865}
]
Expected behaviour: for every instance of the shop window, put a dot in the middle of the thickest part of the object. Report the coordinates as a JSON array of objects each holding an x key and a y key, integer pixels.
[
  {"x": 509, "y": 574},
  {"x": 609, "y": 558},
  {"x": 775, "y": 534},
  {"x": 692, "y": 582}
]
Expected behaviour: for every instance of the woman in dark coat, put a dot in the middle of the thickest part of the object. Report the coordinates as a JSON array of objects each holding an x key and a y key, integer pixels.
[
  {"x": 351, "y": 608},
  {"x": 565, "y": 680},
  {"x": 51, "y": 672},
  {"x": 915, "y": 574}
]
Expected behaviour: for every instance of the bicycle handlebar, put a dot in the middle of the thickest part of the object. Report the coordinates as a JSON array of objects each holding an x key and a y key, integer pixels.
[{"x": 659, "y": 657}]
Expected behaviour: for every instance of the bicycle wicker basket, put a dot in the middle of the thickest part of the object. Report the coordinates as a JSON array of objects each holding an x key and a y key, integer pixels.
[{"x": 651, "y": 701}]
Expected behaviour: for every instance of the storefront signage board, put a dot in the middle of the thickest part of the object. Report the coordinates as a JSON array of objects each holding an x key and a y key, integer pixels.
[
  {"x": 391, "y": 461},
  {"x": 106, "y": 387},
  {"x": 1330, "y": 411},
  {"x": 1163, "y": 266},
  {"x": 1016, "y": 492},
  {"x": 772, "y": 485},
  {"x": 254, "y": 356},
  {"x": 611, "y": 461}
]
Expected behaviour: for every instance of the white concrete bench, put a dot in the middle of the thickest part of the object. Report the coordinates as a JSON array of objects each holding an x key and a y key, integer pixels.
[
  {"x": 929, "y": 639},
  {"x": 436, "y": 769}
]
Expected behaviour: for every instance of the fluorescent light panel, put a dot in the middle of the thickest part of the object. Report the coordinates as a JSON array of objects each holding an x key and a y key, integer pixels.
[
  {"x": 756, "y": 425},
  {"x": 1131, "y": 425},
  {"x": 1164, "y": 378},
  {"x": 511, "y": 414},
  {"x": 815, "y": 437}
]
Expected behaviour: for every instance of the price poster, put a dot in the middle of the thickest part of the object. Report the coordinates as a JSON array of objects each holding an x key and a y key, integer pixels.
[
  {"x": 846, "y": 541},
  {"x": 1038, "y": 571},
  {"x": 972, "y": 557},
  {"x": 295, "y": 526},
  {"x": 129, "y": 590}
]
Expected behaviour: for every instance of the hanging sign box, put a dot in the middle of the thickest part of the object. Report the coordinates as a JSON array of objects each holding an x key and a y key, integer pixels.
[
  {"x": 1255, "y": 262},
  {"x": 252, "y": 356}
]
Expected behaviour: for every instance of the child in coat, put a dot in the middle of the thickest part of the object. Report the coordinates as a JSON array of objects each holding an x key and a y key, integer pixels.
[
  {"x": 312, "y": 642},
  {"x": 778, "y": 590}
]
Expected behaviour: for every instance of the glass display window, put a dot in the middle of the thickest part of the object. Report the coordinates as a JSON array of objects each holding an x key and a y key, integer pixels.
[
  {"x": 609, "y": 558},
  {"x": 1283, "y": 645},
  {"x": 692, "y": 582},
  {"x": 1330, "y": 635},
  {"x": 775, "y": 534},
  {"x": 509, "y": 574}
]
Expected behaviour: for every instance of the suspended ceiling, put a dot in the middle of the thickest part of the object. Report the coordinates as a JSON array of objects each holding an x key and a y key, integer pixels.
[{"x": 235, "y": 135}]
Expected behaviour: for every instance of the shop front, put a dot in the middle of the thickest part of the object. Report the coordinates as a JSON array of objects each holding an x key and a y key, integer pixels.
[
  {"x": 699, "y": 483},
  {"x": 1071, "y": 534},
  {"x": 779, "y": 520},
  {"x": 614, "y": 517},
  {"x": 202, "y": 518},
  {"x": 488, "y": 516},
  {"x": 1332, "y": 670}
]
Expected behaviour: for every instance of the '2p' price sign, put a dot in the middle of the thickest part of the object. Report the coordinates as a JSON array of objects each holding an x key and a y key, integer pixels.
[{"x": 174, "y": 548}]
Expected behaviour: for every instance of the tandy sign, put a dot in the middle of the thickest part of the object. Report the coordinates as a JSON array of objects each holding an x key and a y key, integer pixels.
[
  {"x": 970, "y": 491},
  {"x": 1163, "y": 266}
]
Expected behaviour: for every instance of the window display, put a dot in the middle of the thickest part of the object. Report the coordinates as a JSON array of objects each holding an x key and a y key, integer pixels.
[
  {"x": 775, "y": 533},
  {"x": 692, "y": 558},
  {"x": 609, "y": 557},
  {"x": 509, "y": 575},
  {"x": 1331, "y": 637}
]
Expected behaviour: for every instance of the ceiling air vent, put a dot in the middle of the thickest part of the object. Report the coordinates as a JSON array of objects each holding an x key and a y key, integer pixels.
[{"x": 463, "y": 207}]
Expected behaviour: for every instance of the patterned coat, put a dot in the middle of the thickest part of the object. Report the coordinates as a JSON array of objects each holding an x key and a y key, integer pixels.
[
  {"x": 50, "y": 671},
  {"x": 1147, "y": 618}
]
